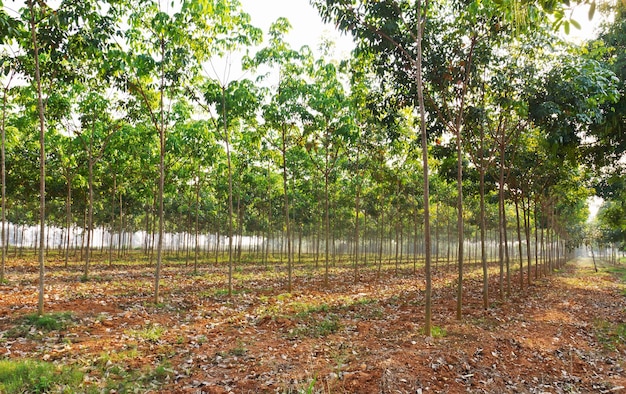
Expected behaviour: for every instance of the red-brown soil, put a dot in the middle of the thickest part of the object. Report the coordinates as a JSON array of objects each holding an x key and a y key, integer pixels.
[{"x": 562, "y": 334}]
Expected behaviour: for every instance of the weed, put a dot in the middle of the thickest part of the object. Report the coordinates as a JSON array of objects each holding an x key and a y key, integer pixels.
[
  {"x": 365, "y": 301},
  {"x": 239, "y": 350},
  {"x": 618, "y": 271},
  {"x": 610, "y": 335},
  {"x": 48, "y": 322},
  {"x": 317, "y": 328},
  {"x": 436, "y": 332},
  {"x": 36, "y": 377},
  {"x": 152, "y": 333},
  {"x": 283, "y": 296},
  {"x": 309, "y": 387},
  {"x": 303, "y": 310}
]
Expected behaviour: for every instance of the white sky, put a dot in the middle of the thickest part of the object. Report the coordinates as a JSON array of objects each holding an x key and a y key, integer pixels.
[{"x": 307, "y": 26}]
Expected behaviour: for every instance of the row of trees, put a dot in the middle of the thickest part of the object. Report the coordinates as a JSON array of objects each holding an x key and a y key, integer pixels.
[{"x": 139, "y": 130}]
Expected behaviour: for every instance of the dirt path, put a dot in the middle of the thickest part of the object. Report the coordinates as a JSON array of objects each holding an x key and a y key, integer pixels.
[{"x": 566, "y": 334}]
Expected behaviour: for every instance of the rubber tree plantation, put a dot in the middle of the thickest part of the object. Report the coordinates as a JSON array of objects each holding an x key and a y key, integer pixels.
[{"x": 192, "y": 204}]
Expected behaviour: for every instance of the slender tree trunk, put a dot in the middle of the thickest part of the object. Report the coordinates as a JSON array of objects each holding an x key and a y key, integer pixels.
[
  {"x": 421, "y": 17},
  {"x": 157, "y": 276},
  {"x": 230, "y": 196},
  {"x": 112, "y": 220},
  {"x": 519, "y": 245},
  {"x": 459, "y": 292},
  {"x": 42, "y": 157},
  {"x": 437, "y": 226},
  {"x": 4, "y": 184},
  {"x": 506, "y": 254},
  {"x": 357, "y": 208},
  {"x": 483, "y": 222},
  {"x": 536, "y": 239},
  {"x": 68, "y": 218},
  {"x": 120, "y": 237},
  {"x": 286, "y": 200},
  {"x": 196, "y": 229},
  {"x": 526, "y": 211},
  {"x": 327, "y": 226}
]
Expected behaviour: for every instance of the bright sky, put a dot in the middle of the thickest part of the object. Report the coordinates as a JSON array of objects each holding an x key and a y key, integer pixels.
[{"x": 308, "y": 28}]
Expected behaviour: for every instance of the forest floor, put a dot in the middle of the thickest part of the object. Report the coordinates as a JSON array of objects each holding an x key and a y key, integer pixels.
[{"x": 564, "y": 333}]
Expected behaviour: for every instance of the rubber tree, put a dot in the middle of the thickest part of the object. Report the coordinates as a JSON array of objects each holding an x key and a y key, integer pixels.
[
  {"x": 8, "y": 73},
  {"x": 235, "y": 105},
  {"x": 167, "y": 49},
  {"x": 284, "y": 113},
  {"x": 325, "y": 134}
]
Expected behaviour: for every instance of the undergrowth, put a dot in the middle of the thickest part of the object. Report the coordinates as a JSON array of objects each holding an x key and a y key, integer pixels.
[{"x": 26, "y": 376}]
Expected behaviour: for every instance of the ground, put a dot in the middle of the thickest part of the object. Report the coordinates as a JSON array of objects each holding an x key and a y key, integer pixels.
[{"x": 564, "y": 333}]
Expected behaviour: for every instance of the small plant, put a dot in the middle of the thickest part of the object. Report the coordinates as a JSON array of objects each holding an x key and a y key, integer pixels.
[
  {"x": 49, "y": 322},
  {"x": 239, "y": 350},
  {"x": 317, "y": 328},
  {"x": 436, "y": 332},
  {"x": 303, "y": 310},
  {"x": 610, "y": 335},
  {"x": 36, "y": 377},
  {"x": 152, "y": 333},
  {"x": 159, "y": 374}
]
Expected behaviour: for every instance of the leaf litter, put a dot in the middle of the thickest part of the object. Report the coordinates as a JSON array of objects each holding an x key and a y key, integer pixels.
[{"x": 557, "y": 336}]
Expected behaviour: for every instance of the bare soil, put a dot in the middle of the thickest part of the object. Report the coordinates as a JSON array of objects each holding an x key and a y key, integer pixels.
[{"x": 564, "y": 333}]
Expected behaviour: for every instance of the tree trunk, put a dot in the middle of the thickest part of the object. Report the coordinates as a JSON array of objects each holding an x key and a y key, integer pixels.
[
  {"x": 157, "y": 275},
  {"x": 519, "y": 245},
  {"x": 4, "y": 243},
  {"x": 42, "y": 157},
  {"x": 286, "y": 200},
  {"x": 230, "y": 196},
  {"x": 427, "y": 245}
]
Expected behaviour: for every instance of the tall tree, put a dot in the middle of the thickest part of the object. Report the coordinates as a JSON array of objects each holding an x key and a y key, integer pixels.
[
  {"x": 284, "y": 113},
  {"x": 393, "y": 31},
  {"x": 169, "y": 47}
]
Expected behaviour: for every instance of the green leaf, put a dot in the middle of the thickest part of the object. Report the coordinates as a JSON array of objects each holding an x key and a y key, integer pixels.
[
  {"x": 575, "y": 24},
  {"x": 566, "y": 27},
  {"x": 592, "y": 10}
]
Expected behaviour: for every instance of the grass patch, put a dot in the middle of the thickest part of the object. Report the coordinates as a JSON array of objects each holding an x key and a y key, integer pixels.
[
  {"x": 302, "y": 309},
  {"x": 316, "y": 328},
  {"x": 610, "y": 335},
  {"x": 151, "y": 333},
  {"x": 159, "y": 374},
  {"x": 436, "y": 332},
  {"x": 220, "y": 293},
  {"x": 50, "y": 321},
  {"x": 30, "y": 324},
  {"x": 619, "y": 272},
  {"x": 25, "y": 376},
  {"x": 239, "y": 350}
]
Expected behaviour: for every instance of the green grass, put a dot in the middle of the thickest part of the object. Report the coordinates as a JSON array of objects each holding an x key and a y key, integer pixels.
[
  {"x": 26, "y": 376},
  {"x": 50, "y": 321},
  {"x": 239, "y": 350},
  {"x": 45, "y": 323},
  {"x": 302, "y": 309},
  {"x": 151, "y": 333},
  {"x": 316, "y": 328},
  {"x": 618, "y": 271},
  {"x": 610, "y": 335},
  {"x": 436, "y": 332}
]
